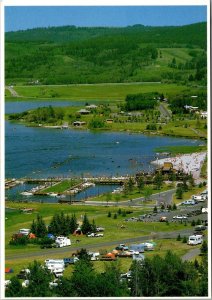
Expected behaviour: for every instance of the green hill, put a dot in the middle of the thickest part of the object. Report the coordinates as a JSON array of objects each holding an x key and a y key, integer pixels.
[{"x": 69, "y": 54}]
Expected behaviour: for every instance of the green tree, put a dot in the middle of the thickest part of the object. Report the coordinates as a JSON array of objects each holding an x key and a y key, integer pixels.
[
  {"x": 204, "y": 248},
  {"x": 147, "y": 193},
  {"x": 38, "y": 227},
  {"x": 73, "y": 223},
  {"x": 86, "y": 226},
  {"x": 179, "y": 193},
  {"x": 158, "y": 181},
  {"x": 140, "y": 183},
  {"x": 15, "y": 288},
  {"x": 39, "y": 278}
]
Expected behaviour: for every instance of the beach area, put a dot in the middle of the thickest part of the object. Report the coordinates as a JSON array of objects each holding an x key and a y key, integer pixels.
[{"x": 188, "y": 163}]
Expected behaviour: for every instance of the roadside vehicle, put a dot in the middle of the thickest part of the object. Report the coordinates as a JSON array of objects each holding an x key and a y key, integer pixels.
[
  {"x": 53, "y": 283},
  {"x": 148, "y": 246},
  {"x": 94, "y": 255},
  {"x": 195, "y": 240},
  {"x": 62, "y": 241},
  {"x": 23, "y": 274},
  {"x": 122, "y": 247},
  {"x": 200, "y": 227},
  {"x": 99, "y": 229},
  {"x": 70, "y": 260},
  {"x": 199, "y": 198},
  {"x": 163, "y": 219},
  {"x": 7, "y": 283},
  {"x": 180, "y": 217},
  {"x": 93, "y": 234},
  {"x": 25, "y": 283},
  {"x": 189, "y": 202},
  {"x": 24, "y": 231},
  {"x": 137, "y": 248}
]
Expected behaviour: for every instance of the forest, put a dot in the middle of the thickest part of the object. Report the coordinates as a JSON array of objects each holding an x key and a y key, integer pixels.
[{"x": 75, "y": 55}]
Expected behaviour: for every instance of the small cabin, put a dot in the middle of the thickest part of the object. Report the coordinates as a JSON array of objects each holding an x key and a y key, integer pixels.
[
  {"x": 79, "y": 123},
  {"x": 83, "y": 111}
]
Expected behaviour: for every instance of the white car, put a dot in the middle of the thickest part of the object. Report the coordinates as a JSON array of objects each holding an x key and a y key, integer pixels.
[
  {"x": 180, "y": 217},
  {"x": 133, "y": 252}
]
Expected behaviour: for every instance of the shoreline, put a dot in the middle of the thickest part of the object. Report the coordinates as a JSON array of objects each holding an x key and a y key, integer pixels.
[
  {"x": 188, "y": 163},
  {"x": 151, "y": 133}
]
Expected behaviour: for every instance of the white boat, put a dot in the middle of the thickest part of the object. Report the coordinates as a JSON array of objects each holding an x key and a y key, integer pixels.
[
  {"x": 26, "y": 193},
  {"x": 52, "y": 194}
]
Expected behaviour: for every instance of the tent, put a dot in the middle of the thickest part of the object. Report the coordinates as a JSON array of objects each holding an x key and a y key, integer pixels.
[{"x": 9, "y": 270}]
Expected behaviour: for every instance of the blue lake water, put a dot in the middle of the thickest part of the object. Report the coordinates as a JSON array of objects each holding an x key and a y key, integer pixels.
[{"x": 42, "y": 152}]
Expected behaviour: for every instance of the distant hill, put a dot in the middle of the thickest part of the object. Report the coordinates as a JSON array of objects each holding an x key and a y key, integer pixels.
[{"x": 70, "y": 54}]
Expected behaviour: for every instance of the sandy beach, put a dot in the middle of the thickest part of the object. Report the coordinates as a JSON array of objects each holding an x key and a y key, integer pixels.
[{"x": 188, "y": 163}]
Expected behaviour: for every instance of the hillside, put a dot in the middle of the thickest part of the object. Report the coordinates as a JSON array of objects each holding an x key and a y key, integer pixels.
[{"x": 69, "y": 54}]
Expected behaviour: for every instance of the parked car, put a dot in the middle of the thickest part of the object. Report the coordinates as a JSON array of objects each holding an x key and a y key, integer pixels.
[
  {"x": 180, "y": 217},
  {"x": 163, "y": 219},
  {"x": 93, "y": 234},
  {"x": 200, "y": 227},
  {"x": 189, "y": 202},
  {"x": 23, "y": 274},
  {"x": 122, "y": 247},
  {"x": 70, "y": 260}
]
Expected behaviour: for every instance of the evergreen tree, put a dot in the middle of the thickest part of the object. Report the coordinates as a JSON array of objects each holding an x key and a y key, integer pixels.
[
  {"x": 179, "y": 193},
  {"x": 86, "y": 226},
  {"x": 158, "y": 181},
  {"x": 73, "y": 223},
  {"x": 140, "y": 183},
  {"x": 15, "y": 288}
]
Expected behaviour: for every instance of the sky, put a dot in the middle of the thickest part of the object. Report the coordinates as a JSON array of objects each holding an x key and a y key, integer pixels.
[{"x": 26, "y": 17}]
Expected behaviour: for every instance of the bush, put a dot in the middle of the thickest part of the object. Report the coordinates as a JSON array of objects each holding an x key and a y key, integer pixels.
[
  {"x": 109, "y": 214},
  {"x": 179, "y": 237},
  {"x": 184, "y": 239},
  {"x": 115, "y": 216},
  {"x": 19, "y": 240},
  {"x": 193, "y": 223}
]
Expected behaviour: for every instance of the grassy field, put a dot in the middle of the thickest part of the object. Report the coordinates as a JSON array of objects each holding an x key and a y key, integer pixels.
[
  {"x": 62, "y": 186},
  {"x": 115, "y": 92},
  {"x": 130, "y": 195},
  {"x": 181, "y": 149}
]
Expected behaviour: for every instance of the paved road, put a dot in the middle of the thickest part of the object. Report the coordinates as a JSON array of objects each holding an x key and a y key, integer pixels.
[
  {"x": 12, "y": 91},
  {"x": 165, "y": 197},
  {"x": 68, "y": 250},
  {"x": 164, "y": 111},
  {"x": 192, "y": 253}
]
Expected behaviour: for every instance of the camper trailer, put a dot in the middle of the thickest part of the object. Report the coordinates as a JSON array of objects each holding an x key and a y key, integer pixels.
[
  {"x": 137, "y": 247},
  {"x": 195, "y": 240},
  {"x": 24, "y": 231},
  {"x": 62, "y": 241}
]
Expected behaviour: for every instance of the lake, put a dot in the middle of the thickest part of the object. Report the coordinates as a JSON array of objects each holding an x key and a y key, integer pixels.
[{"x": 41, "y": 152}]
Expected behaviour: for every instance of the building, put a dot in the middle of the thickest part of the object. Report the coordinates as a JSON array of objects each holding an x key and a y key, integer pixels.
[
  {"x": 79, "y": 123},
  {"x": 167, "y": 167},
  {"x": 91, "y": 106},
  {"x": 83, "y": 111}
]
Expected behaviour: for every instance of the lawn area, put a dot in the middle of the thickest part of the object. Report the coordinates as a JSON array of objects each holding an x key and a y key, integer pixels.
[
  {"x": 99, "y": 91},
  {"x": 131, "y": 195},
  {"x": 113, "y": 231},
  {"x": 62, "y": 186},
  {"x": 181, "y": 149}
]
